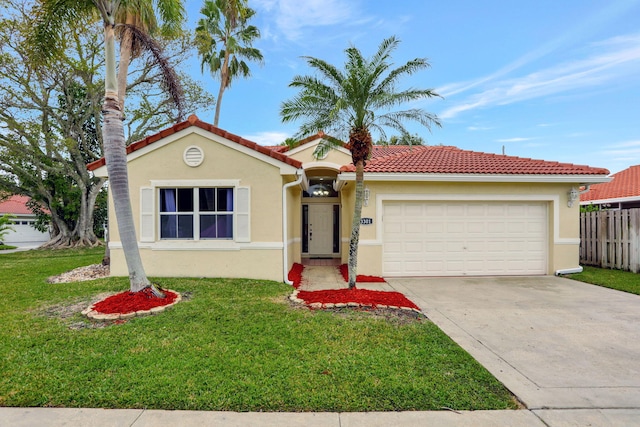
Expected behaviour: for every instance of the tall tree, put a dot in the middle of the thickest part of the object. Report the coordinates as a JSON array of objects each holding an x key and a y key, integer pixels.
[
  {"x": 52, "y": 16},
  {"x": 52, "y": 122},
  {"x": 358, "y": 99},
  {"x": 224, "y": 40}
]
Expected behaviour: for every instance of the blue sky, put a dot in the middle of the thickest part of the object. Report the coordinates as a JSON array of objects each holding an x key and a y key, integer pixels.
[{"x": 545, "y": 79}]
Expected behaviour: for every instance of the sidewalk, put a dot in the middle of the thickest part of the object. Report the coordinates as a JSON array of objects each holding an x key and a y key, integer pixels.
[
  {"x": 20, "y": 247},
  {"x": 59, "y": 417}
]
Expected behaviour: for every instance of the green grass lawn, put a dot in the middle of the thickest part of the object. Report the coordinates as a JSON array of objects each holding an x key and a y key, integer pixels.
[
  {"x": 614, "y": 279},
  {"x": 230, "y": 345}
]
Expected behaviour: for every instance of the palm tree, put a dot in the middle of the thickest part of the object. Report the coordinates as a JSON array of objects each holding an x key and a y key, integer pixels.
[
  {"x": 48, "y": 36},
  {"x": 358, "y": 99},
  {"x": 139, "y": 14},
  {"x": 225, "y": 23}
]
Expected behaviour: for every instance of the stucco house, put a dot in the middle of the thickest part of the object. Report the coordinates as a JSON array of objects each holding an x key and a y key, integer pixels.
[
  {"x": 622, "y": 192},
  {"x": 23, "y": 230},
  {"x": 209, "y": 203}
]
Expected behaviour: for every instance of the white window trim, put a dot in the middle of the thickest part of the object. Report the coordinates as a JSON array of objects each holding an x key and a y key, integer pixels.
[
  {"x": 196, "y": 215},
  {"x": 236, "y": 243}
]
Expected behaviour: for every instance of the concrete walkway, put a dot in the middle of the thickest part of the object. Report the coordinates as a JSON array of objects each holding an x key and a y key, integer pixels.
[
  {"x": 316, "y": 278},
  {"x": 21, "y": 247},
  {"x": 496, "y": 321}
]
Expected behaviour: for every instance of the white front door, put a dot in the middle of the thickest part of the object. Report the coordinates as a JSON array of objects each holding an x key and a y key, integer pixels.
[{"x": 320, "y": 229}]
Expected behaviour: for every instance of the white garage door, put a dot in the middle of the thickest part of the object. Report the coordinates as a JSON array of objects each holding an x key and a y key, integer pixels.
[
  {"x": 23, "y": 232},
  {"x": 464, "y": 238}
]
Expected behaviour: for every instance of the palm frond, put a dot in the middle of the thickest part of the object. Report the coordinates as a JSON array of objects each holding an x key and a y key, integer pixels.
[
  {"x": 172, "y": 14},
  {"x": 171, "y": 81},
  {"x": 51, "y": 17},
  {"x": 362, "y": 95}
]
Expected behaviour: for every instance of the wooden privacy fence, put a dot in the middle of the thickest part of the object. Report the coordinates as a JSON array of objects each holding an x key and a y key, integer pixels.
[{"x": 611, "y": 239}]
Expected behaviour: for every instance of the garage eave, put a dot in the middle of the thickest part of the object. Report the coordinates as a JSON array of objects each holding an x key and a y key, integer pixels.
[{"x": 468, "y": 177}]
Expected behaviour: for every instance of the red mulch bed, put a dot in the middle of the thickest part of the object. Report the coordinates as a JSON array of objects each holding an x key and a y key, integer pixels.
[
  {"x": 361, "y": 296},
  {"x": 295, "y": 275},
  {"x": 360, "y": 278},
  {"x": 128, "y": 302}
]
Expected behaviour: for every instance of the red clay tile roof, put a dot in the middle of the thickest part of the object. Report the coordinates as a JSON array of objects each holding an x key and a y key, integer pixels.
[
  {"x": 386, "y": 150},
  {"x": 15, "y": 205},
  {"x": 285, "y": 148},
  {"x": 278, "y": 148},
  {"x": 194, "y": 121},
  {"x": 452, "y": 160},
  {"x": 625, "y": 183}
]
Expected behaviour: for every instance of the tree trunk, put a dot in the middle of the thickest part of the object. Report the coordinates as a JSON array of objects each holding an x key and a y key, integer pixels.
[
  {"x": 224, "y": 82},
  {"x": 123, "y": 64},
  {"x": 116, "y": 162},
  {"x": 84, "y": 225},
  {"x": 355, "y": 225}
]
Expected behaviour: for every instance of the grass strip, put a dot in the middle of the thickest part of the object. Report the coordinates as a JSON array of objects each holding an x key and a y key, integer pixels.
[{"x": 615, "y": 279}]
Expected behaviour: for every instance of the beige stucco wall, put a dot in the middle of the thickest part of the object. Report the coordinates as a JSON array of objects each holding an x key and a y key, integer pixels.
[
  {"x": 305, "y": 155},
  {"x": 563, "y": 222},
  {"x": 259, "y": 258}
]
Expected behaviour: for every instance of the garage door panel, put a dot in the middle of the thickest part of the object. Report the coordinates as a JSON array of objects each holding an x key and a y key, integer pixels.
[
  {"x": 392, "y": 227},
  {"x": 476, "y": 210},
  {"x": 435, "y": 227},
  {"x": 464, "y": 238},
  {"x": 413, "y": 210},
  {"x": 413, "y": 247},
  {"x": 475, "y": 227},
  {"x": 456, "y": 211},
  {"x": 413, "y": 227}
]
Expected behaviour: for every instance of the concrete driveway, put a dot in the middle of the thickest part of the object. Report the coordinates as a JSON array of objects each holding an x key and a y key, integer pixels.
[{"x": 554, "y": 342}]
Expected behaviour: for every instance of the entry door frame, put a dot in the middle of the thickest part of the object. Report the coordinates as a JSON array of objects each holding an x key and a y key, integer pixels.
[{"x": 320, "y": 228}]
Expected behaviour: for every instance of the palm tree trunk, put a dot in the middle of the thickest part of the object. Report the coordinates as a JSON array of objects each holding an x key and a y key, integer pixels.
[
  {"x": 224, "y": 82},
  {"x": 355, "y": 225},
  {"x": 116, "y": 162},
  {"x": 123, "y": 67}
]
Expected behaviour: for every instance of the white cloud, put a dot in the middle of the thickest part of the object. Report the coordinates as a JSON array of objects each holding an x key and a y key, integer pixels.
[
  {"x": 612, "y": 60},
  {"x": 477, "y": 128},
  {"x": 268, "y": 138},
  {"x": 627, "y": 144},
  {"x": 517, "y": 139},
  {"x": 292, "y": 16}
]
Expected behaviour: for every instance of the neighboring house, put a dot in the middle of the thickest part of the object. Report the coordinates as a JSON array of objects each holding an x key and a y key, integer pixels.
[
  {"x": 622, "y": 192},
  {"x": 209, "y": 203},
  {"x": 23, "y": 223}
]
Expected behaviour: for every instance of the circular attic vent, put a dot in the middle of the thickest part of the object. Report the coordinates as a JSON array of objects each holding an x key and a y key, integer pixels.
[{"x": 193, "y": 156}]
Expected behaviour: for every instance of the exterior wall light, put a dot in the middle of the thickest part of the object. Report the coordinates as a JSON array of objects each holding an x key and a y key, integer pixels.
[
  {"x": 367, "y": 194},
  {"x": 573, "y": 196}
]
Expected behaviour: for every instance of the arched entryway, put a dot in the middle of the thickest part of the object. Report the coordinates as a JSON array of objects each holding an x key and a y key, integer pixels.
[{"x": 321, "y": 228}]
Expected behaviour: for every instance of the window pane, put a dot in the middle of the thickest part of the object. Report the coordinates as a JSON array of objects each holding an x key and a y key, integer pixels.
[
  {"x": 208, "y": 227},
  {"x": 167, "y": 200},
  {"x": 225, "y": 226},
  {"x": 207, "y": 199},
  {"x": 185, "y": 226},
  {"x": 225, "y": 200},
  {"x": 185, "y": 199},
  {"x": 168, "y": 226}
]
